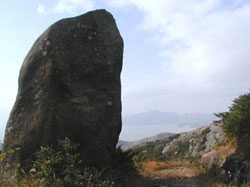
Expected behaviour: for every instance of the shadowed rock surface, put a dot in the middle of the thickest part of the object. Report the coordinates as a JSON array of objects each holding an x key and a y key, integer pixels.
[
  {"x": 69, "y": 86},
  {"x": 237, "y": 169}
]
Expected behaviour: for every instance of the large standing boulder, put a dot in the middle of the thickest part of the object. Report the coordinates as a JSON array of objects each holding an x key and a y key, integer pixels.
[{"x": 69, "y": 86}]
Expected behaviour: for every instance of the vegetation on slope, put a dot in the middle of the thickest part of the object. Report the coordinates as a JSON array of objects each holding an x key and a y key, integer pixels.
[
  {"x": 237, "y": 124},
  {"x": 201, "y": 153},
  {"x": 62, "y": 166}
]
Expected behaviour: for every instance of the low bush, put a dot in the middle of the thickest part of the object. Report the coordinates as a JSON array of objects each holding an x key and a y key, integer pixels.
[
  {"x": 62, "y": 167},
  {"x": 237, "y": 123},
  {"x": 58, "y": 167},
  {"x": 4, "y": 159}
]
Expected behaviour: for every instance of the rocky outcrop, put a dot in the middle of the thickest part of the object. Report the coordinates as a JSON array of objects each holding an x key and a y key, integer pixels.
[
  {"x": 197, "y": 142},
  {"x": 69, "y": 86},
  {"x": 217, "y": 155},
  {"x": 193, "y": 144}
]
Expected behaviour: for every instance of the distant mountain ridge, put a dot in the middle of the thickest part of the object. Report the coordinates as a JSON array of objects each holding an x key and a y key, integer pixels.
[
  {"x": 131, "y": 144},
  {"x": 157, "y": 117}
]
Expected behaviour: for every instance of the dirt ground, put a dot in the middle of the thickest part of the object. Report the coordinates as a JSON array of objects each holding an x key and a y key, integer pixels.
[{"x": 174, "y": 174}]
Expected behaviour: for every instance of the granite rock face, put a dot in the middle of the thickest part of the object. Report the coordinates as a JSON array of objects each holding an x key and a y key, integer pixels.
[
  {"x": 69, "y": 86},
  {"x": 197, "y": 142}
]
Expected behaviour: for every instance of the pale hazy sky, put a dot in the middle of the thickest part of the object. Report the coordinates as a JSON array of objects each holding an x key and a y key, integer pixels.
[{"x": 181, "y": 56}]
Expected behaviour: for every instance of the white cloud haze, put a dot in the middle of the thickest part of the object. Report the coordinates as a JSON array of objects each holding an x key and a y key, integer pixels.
[
  {"x": 180, "y": 56},
  {"x": 41, "y": 9},
  {"x": 205, "y": 45},
  {"x": 70, "y": 6},
  {"x": 67, "y": 6}
]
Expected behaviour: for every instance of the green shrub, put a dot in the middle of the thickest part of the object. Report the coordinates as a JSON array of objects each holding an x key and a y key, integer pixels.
[
  {"x": 58, "y": 167},
  {"x": 4, "y": 159},
  {"x": 237, "y": 123},
  {"x": 140, "y": 157},
  {"x": 93, "y": 178},
  {"x": 245, "y": 184},
  {"x": 62, "y": 167}
]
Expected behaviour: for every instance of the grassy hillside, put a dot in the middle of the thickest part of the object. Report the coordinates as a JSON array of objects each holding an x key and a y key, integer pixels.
[{"x": 188, "y": 159}]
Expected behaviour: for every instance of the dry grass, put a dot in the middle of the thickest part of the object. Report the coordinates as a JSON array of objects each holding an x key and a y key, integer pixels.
[
  {"x": 185, "y": 173},
  {"x": 177, "y": 173},
  {"x": 167, "y": 169},
  {"x": 29, "y": 181},
  {"x": 226, "y": 150},
  {"x": 154, "y": 165},
  {"x": 218, "y": 155}
]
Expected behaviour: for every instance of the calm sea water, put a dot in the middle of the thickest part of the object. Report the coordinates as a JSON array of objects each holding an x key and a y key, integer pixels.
[{"x": 136, "y": 132}]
